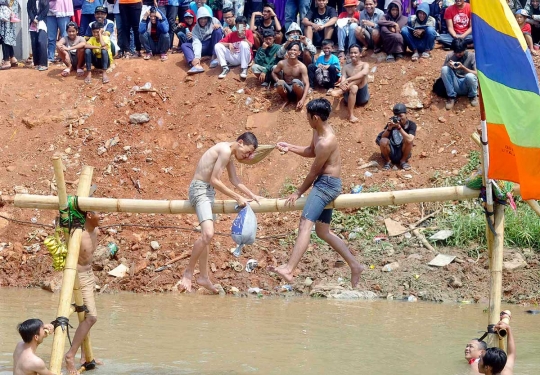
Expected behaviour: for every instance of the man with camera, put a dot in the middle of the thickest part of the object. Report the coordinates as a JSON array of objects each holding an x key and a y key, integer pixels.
[
  {"x": 235, "y": 49},
  {"x": 396, "y": 140},
  {"x": 459, "y": 74}
]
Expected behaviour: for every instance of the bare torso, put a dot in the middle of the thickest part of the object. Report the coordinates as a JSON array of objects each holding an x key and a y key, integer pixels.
[
  {"x": 208, "y": 160},
  {"x": 332, "y": 167},
  {"x": 88, "y": 246},
  {"x": 351, "y": 70},
  {"x": 291, "y": 71},
  {"x": 24, "y": 360}
]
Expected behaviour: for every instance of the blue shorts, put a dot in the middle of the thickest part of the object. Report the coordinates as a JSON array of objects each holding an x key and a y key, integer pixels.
[{"x": 325, "y": 189}]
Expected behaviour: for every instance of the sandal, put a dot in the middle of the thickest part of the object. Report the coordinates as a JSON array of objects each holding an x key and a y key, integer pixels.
[
  {"x": 6, "y": 65},
  {"x": 415, "y": 56},
  {"x": 42, "y": 68},
  {"x": 65, "y": 72},
  {"x": 88, "y": 80},
  {"x": 147, "y": 56},
  {"x": 405, "y": 166},
  {"x": 390, "y": 58},
  {"x": 105, "y": 80},
  {"x": 387, "y": 166},
  {"x": 163, "y": 57},
  {"x": 426, "y": 55},
  {"x": 80, "y": 72}
]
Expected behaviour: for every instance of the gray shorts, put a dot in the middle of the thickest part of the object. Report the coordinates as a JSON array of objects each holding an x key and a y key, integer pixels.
[
  {"x": 362, "y": 96},
  {"x": 289, "y": 88},
  {"x": 201, "y": 197}
]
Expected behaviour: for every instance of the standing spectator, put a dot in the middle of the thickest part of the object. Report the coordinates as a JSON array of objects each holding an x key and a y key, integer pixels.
[
  {"x": 146, "y": 5},
  {"x": 154, "y": 34},
  {"x": 280, "y": 10},
  {"x": 170, "y": 9},
  {"x": 77, "y": 7},
  {"x": 37, "y": 14},
  {"x": 307, "y": 49},
  {"x": 368, "y": 34},
  {"x": 98, "y": 53},
  {"x": 119, "y": 32},
  {"x": 535, "y": 20},
  {"x": 197, "y": 4},
  {"x": 319, "y": 22},
  {"x": 8, "y": 37},
  {"x": 60, "y": 12},
  {"x": 266, "y": 20},
  {"x": 265, "y": 59},
  {"x": 71, "y": 50},
  {"x": 235, "y": 49},
  {"x": 293, "y": 8},
  {"x": 130, "y": 12},
  {"x": 459, "y": 74},
  {"x": 236, "y": 5},
  {"x": 458, "y": 23},
  {"x": 87, "y": 13},
  {"x": 206, "y": 34},
  {"x": 347, "y": 24},
  {"x": 419, "y": 35},
  {"x": 184, "y": 29},
  {"x": 326, "y": 69},
  {"x": 391, "y": 25}
]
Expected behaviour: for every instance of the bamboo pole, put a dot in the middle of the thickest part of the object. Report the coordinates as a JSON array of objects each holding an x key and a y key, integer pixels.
[
  {"x": 496, "y": 266},
  {"x": 69, "y": 276}
]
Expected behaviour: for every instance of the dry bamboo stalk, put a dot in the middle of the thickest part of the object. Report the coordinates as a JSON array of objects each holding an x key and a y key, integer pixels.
[
  {"x": 496, "y": 266},
  {"x": 422, "y": 239},
  {"x": 69, "y": 277}
]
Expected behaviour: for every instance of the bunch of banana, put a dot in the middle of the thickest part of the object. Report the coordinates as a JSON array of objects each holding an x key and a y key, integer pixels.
[{"x": 58, "y": 251}]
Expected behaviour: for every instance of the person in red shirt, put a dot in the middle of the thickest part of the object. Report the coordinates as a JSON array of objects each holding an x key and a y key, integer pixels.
[
  {"x": 235, "y": 49},
  {"x": 458, "y": 22},
  {"x": 521, "y": 18},
  {"x": 347, "y": 24}
]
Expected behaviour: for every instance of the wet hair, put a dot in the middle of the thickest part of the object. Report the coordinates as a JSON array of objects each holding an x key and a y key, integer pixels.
[
  {"x": 72, "y": 24},
  {"x": 459, "y": 45},
  {"x": 29, "y": 328},
  {"x": 327, "y": 42},
  {"x": 355, "y": 45},
  {"x": 481, "y": 344},
  {"x": 249, "y": 139},
  {"x": 97, "y": 25},
  {"x": 319, "y": 107},
  {"x": 292, "y": 44},
  {"x": 269, "y": 5},
  {"x": 495, "y": 358},
  {"x": 240, "y": 19},
  {"x": 227, "y": 10}
]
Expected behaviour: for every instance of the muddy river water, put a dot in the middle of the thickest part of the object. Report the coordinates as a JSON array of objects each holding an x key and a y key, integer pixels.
[{"x": 182, "y": 334}]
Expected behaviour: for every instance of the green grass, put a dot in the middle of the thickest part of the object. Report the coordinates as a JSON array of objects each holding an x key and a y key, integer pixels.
[{"x": 287, "y": 188}]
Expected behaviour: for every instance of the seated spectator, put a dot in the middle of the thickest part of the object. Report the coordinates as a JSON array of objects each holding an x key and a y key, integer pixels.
[
  {"x": 346, "y": 25},
  {"x": 459, "y": 74},
  {"x": 235, "y": 49},
  {"x": 292, "y": 77},
  {"x": 473, "y": 351},
  {"x": 229, "y": 20},
  {"x": 154, "y": 34},
  {"x": 368, "y": 32},
  {"x": 458, "y": 23},
  {"x": 326, "y": 70},
  {"x": 391, "y": 24},
  {"x": 71, "y": 50},
  {"x": 37, "y": 15},
  {"x": 206, "y": 34},
  {"x": 396, "y": 140},
  {"x": 354, "y": 82},
  {"x": 521, "y": 17},
  {"x": 98, "y": 53},
  {"x": 419, "y": 34},
  {"x": 307, "y": 49},
  {"x": 266, "y": 58},
  {"x": 184, "y": 29},
  {"x": 535, "y": 20},
  {"x": 266, "y": 20},
  {"x": 319, "y": 22}
]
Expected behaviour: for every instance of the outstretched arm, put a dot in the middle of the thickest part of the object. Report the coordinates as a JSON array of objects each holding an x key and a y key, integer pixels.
[
  {"x": 511, "y": 350},
  {"x": 307, "y": 152}
]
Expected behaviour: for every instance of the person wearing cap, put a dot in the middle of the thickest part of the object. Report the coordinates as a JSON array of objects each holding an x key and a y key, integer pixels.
[
  {"x": 346, "y": 25},
  {"x": 521, "y": 17},
  {"x": 154, "y": 34},
  {"x": 184, "y": 29},
  {"x": 368, "y": 33},
  {"x": 235, "y": 49},
  {"x": 88, "y": 14},
  {"x": 100, "y": 15},
  {"x": 459, "y": 24},
  {"x": 60, "y": 11},
  {"x": 396, "y": 140},
  {"x": 459, "y": 74},
  {"x": 266, "y": 58},
  {"x": 319, "y": 22}
]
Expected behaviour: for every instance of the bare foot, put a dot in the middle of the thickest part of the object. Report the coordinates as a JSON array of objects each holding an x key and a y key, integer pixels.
[
  {"x": 70, "y": 365},
  {"x": 283, "y": 272},
  {"x": 206, "y": 283},
  {"x": 356, "y": 271},
  {"x": 353, "y": 118},
  {"x": 186, "y": 280}
]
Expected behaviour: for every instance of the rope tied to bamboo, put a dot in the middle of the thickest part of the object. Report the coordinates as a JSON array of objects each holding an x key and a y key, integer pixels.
[
  {"x": 81, "y": 308},
  {"x": 72, "y": 217},
  {"x": 63, "y": 322}
]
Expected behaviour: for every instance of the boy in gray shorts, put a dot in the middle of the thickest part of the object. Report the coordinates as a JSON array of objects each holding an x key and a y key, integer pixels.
[{"x": 201, "y": 196}]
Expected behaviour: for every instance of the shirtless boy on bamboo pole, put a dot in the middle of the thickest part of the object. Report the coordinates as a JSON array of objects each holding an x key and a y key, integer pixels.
[
  {"x": 294, "y": 86},
  {"x": 88, "y": 285},
  {"x": 354, "y": 83},
  {"x": 25, "y": 360},
  {"x": 324, "y": 175},
  {"x": 202, "y": 194}
]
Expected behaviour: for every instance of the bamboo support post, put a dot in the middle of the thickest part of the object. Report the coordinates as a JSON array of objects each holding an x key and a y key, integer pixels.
[
  {"x": 496, "y": 266},
  {"x": 70, "y": 271}
]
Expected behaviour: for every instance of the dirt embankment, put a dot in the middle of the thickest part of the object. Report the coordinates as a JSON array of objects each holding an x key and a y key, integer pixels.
[{"x": 43, "y": 114}]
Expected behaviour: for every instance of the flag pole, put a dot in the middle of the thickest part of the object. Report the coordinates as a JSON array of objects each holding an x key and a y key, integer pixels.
[{"x": 495, "y": 237}]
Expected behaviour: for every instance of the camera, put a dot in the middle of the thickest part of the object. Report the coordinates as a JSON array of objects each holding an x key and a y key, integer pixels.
[
  {"x": 296, "y": 37},
  {"x": 456, "y": 65},
  {"x": 394, "y": 119}
]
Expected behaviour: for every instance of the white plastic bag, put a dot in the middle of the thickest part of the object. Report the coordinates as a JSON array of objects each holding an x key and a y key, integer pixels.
[{"x": 244, "y": 229}]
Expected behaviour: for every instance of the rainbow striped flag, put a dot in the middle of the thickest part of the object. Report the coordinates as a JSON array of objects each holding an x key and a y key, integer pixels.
[{"x": 510, "y": 94}]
